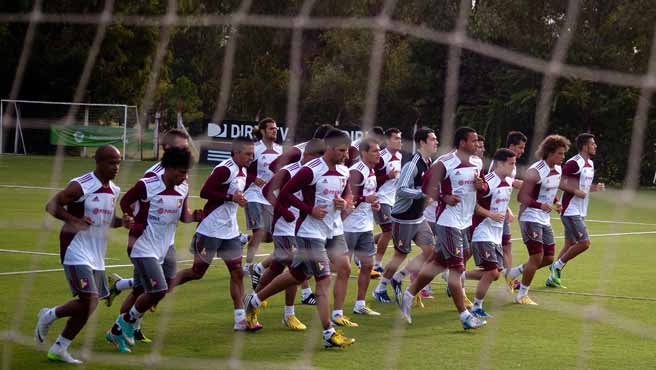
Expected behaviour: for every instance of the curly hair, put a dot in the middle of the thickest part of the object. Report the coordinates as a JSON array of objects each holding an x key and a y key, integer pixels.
[{"x": 550, "y": 144}]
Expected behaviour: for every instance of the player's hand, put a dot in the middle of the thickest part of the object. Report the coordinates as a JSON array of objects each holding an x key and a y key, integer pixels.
[
  {"x": 598, "y": 187},
  {"x": 371, "y": 198},
  {"x": 319, "y": 212},
  {"x": 511, "y": 218},
  {"x": 238, "y": 197},
  {"x": 498, "y": 217},
  {"x": 478, "y": 181},
  {"x": 451, "y": 199},
  {"x": 580, "y": 193},
  {"x": 393, "y": 173},
  {"x": 339, "y": 202},
  {"x": 559, "y": 207},
  {"x": 288, "y": 215},
  {"x": 375, "y": 206},
  {"x": 259, "y": 182},
  {"x": 197, "y": 215},
  {"x": 546, "y": 207},
  {"x": 128, "y": 221},
  {"x": 517, "y": 184}
]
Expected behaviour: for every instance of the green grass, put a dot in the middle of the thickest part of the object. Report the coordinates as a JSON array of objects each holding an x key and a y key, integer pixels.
[{"x": 566, "y": 331}]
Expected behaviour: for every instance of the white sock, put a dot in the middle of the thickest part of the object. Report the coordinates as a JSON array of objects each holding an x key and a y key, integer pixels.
[
  {"x": 382, "y": 286},
  {"x": 137, "y": 325},
  {"x": 378, "y": 263},
  {"x": 125, "y": 284},
  {"x": 399, "y": 275},
  {"x": 359, "y": 304},
  {"x": 478, "y": 303},
  {"x": 337, "y": 313},
  {"x": 62, "y": 343},
  {"x": 305, "y": 292},
  {"x": 516, "y": 271},
  {"x": 328, "y": 333},
  {"x": 247, "y": 266},
  {"x": 256, "y": 300},
  {"x": 289, "y": 311},
  {"x": 559, "y": 264},
  {"x": 240, "y": 314},
  {"x": 464, "y": 315},
  {"x": 523, "y": 290},
  {"x": 134, "y": 314}
]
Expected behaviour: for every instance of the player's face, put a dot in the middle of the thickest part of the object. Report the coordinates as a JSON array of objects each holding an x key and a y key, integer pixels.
[
  {"x": 470, "y": 145},
  {"x": 556, "y": 157},
  {"x": 430, "y": 145},
  {"x": 505, "y": 168},
  {"x": 178, "y": 175},
  {"x": 337, "y": 154},
  {"x": 480, "y": 148},
  {"x": 591, "y": 147},
  {"x": 244, "y": 157},
  {"x": 394, "y": 142},
  {"x": 372, "y": 156},
  {"x": 108, "y": 168},
  {"x": 518, "y": 148},
  {"x": 271, "y": 131}
]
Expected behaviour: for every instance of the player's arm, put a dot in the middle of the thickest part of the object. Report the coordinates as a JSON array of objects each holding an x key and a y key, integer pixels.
[
  {"x": 210, "y": 190},
  {"x": 482, "y": 211},
  {"x": 136, "y": 193},
  {"x": 70, "y": 194},
  {"x": 568, "y": 182},
  {"x": 251, "y": 176},
  {"x": 301, "y": 179},
  {"x": 276, "y": 183},
  {"x": 187, "y": 216},
  {"x": 524, "y": 196},
  {"x": 405, "y": 186},
  {"x": 291, "y": 155}
]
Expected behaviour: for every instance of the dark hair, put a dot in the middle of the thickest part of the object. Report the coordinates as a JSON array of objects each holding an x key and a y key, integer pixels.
[
  {"x": 583, "y": 139},
  {"x": 391, "y": 131},
  {"x": 177, "y": 158},
  {"x": 315, "y": 147},
  {"x": 502, "y": 155},
  {"x": 376, "y": 132},
  {"x": 422, "y": 134},
  {"x": 239, "y": 143},
  {"x": 322, "y": 130},
  {"x": 367, "y": 143},
  {"x": 515, "y": 138},
  {"x": 551, "y": 143},
  {"x": 170, "y": 136},
  {"x": 335, "y": 138},
  {"x": 461, "y": 134},
  {"x": 481, "y": 137}
]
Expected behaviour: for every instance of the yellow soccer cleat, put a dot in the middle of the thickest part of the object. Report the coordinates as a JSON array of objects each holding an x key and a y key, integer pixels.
[
  {"x": 418, "y": 301},
  {"x": 338, "y": 340},
  {"x": 510, "y": 283},
  {"x": 375, "y": 274},
  {"x": 251, "y": 320},
  {"x": 344, "y": 321},
  {"x": 468, "y": 304},
  {"x": 293, "y": 323},
  {"x": 525, "y": 300}
]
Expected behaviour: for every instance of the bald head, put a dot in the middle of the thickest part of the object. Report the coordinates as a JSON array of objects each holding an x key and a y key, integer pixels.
[
  {"x": 108, "y": 161},
  {"x": 107, "y": 151}
]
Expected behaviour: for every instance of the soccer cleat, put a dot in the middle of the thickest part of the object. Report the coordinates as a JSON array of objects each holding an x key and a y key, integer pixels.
[
  {"x": 338, "y": 340},
  {"x": 255, "y": 276},
  {"x": 118, "y": 341},
  {"x": 375, "y": 274},
  {"x": 510, "y": 283},
  {"x": 243, "y": 239},
  {"x": 517, "y": 284},
  {"x": 468, "y": 304},
  {"x": 62, "y": 356},
  {"x": 426, "y": 294},
  {"x": 418, "y": 301},
  {"x": 554, "y": 273},
  {"x": 127, "y": 329},
  {"x": 379, "y": 269},
  {"x": 381, "y": 297},
  {"x": 310, "y": 300},
  {"x": 397, "y": 286},
  {"x": 551, "y": 283},
  {"x": 472, "y": 322},
  {"x": 139, "y": 336},
  {"x": 365, "y": 310},
  {"x": 240, "y": 326},
  {"x": 293, "y": 323},
  {"x": 42, "y": 328},
  {"x": 112, "y": 279},
  {"x": 406, "y": 306},
  {"x": 251, "y": 321},
  {"x": 524, "y": 300},
  {"x": 342, "y": 320},
  {"x": 480, "y": 313}
]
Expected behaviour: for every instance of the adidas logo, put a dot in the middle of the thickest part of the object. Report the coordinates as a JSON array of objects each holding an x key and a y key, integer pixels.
[
  {"x": 160, "y": 200},
  {"x": 325, "y": 181},
  {"x": 95, "y": 199},
  {"x": 457, "y": 172}
]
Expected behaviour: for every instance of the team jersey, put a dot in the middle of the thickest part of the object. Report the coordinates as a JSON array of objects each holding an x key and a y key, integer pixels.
[
  {"x": 582, "y": 170},
  {"x": 281, "y": 227},
  {"x": 262, "y": 158},
  {"x": 408, "y": 206},
  {"x": 362, "y": 217},
  {"x": 220, "y": 211},
  {"x": 495, "y": 200},
  {"x": 155, "y": 170},
  {"x": 88, "y": 247},
  {"x": 291, "y": 155},
  {"x": 459, "y": 179},
  {"x": 429, "y": 212},
  {"x": 387, "y": 188},
  {"x": 157, "y": 219},
  {"x": 544, "y": 191},
  {"x": 320, "y": 186}
]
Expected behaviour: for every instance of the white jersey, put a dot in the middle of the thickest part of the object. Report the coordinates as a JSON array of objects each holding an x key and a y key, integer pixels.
[
  {"x": 544, "y": 192},
  {"x": 496, "y": 200},
  {"x": 327, "y": 186},
  {"x": 510, "y": 179},
  {"x": 261, "y": 160},
  {"x": 582, "y": 170},
  {"x": 429, "y": 212},
  {"x": 362, "y": 217},
  {"x": 164, "y": 210},
  {"x": 280, "y": 226},
  {"x": 221, "y": 216},
  {"x": 387, "y": 191},
  {"x": 155, "y": 170},
  {"x": 97, "y": 202},
  {"x": 459, "y": 179}
]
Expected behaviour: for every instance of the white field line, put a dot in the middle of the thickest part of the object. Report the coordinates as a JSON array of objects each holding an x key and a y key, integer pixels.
[{"x": 42, "y": 253}]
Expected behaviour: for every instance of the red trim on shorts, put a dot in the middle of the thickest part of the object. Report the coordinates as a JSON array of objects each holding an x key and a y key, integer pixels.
[
  {"x": 506, "y": 239},
  {"x": 488, "y": 266},
  {"x": 386, "y": 228},
  {"x": 298, "y": 273},
  {"x": 535, "y": 247},
  {"x": 549, "y": 250}
]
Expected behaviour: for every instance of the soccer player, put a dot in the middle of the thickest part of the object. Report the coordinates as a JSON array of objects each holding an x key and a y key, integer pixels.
[
  {"x": 408, "y": 222},
  {"x": 259, "y": 212},
  {"x": 218, "y": 232},
  {"x": 86, "y": 206},
  {"x": 284, "y": 241},
  {"x": 538, "y": 199},
  {"x": 487, "y": 227},
  {"x": 174, "y": 138},
  {"x": 576, "y": 183},
  {"x": 387, "y": 173},
  {"x": 163, "y": 202},
  {"x": 455, "y": 180},
  {"x": 323, "y": 183},
  {"x": 377, "y": 133},
  {"x": 359, "y": 223},
  {"x": 295, "y": 153}
]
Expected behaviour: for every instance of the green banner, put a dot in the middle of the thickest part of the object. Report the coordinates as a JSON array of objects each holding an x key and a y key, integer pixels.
[{"x": 94, "y": 136}]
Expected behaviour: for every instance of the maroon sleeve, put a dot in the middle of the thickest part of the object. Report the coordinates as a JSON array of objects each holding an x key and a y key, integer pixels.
[
  {"x": 150, "y": 174},
  {"x": 381, "y": 173},
  {"x": 292, "y": 155},
  {"x": 276, "y": 182},
  {"x": 486, "y": 186},
  {"x": 251, "y": 174},
  {"x": 353, "y": 153},
  {"x": 357, "y": 190},
  {"x": 570, "y": 168},
  {"x": 135, "y": 194},
  {"x": 302, "y": 178},
  {"x": 524, "y": 196},
  {"x": 210, "y": 190}
]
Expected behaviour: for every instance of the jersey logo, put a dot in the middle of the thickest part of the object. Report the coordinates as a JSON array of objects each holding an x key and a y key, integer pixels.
[
  {"x": 95, "y": 199},
  {"x": 153, "y": 283},
  {"x": 457, "y": 172},
  {"x": 84, "y": 283},
  {"x": 320, "y": 266},
  {"x": 160, "y": 200},
  {"x": 325, "y": 181}
]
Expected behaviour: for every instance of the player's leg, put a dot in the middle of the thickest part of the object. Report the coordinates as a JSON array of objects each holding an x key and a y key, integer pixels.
[
  {"x": 402, "y": 238},
  {"x": 382, "y": 239},
  {"x": 577, "y": 241},
  {"x": 489, "y": 258},
  {"x": 338, "y": 253},
  {"x": 365, "y": 249},
  {"x": 203, "y": 248}
]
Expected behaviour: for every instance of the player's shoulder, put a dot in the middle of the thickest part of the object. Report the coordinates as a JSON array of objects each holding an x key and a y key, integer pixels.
[
  {"x": 476, "y": 161},
  {"x": 449, "y": 160},
  {"x": 358, "y": 166},
  {"x": 154, "y": 169},
  {"x": 292, "y": 167},
  {"x": 342, "y": 169},
  {"x": 277, "y": 147},
  {"x": 385, "y": 153},
  {"x": 88, "y": 182}
]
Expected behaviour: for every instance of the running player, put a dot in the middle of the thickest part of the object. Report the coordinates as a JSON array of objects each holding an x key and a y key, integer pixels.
[
  {"x": 86, "y": 206},
  {"x": 538, "y": 199},
  {"x": 576, "y": 183}
]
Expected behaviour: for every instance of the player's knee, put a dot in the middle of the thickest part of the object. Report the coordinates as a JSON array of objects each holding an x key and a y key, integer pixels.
[
  {"x": 158, "y": 296},
  {"x": 494, "y": 274},
  {"x": 198, "y": 271},
  {"x": 89, "y": 302},
  {"x": 276, "y": 267},
  {"x": 136, "y": 292},
  {"x": 584, "y": 245},
  {"x": 344, "y": 269},
  {"x": 236, "y": 274}
]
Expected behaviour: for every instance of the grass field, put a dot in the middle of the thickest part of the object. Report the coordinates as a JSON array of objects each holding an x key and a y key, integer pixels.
[{"x": 605, "y": 320}]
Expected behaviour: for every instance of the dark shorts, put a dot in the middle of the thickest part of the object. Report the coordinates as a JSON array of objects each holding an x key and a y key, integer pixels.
[
  {"x": 361, "y": 243},
  {"x": 311, "y": 257},
  {"x": 538, "y": 238},
  {"x": 170, "y": 263},
  {"x": 488, "y": 255},
  {"x": 336, "y": 246},
  {"x": 404, "y": 234},
  {"x": 207, "y": 247},
  {"x": 83, "y": 279},
  {"x": 507, "y": 235},
  {"x": 258, "y": 216},
  {"x": 283, "y": 249},
  {"x": 149, "y": 274},
  {"x": 383, "y": 215},
  {"x": 575, "y": 229},
  {"x": 451, "y": 243}
]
